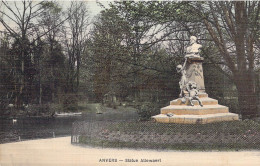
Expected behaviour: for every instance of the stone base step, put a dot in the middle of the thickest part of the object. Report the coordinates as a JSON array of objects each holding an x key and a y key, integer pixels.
[
  {"x": 194, "y": 110},
  {"x": 204, "y": 100},
  {"x": 201, "y": 95},
  {"x": 195, "y": 119}
]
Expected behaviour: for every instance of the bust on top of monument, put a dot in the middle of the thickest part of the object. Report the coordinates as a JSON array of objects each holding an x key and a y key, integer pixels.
[{"x": 194, "y": 49}]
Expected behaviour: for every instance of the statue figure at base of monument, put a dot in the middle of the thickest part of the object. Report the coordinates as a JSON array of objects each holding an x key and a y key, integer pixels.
[
  {"x": 193, "y": 93},
  {"x": 183, "y": 81},
  {"x": 194, "y": 49}
]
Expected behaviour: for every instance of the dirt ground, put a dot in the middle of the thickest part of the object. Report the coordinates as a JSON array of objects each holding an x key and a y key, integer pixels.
[{"x": 59, "y": 151}]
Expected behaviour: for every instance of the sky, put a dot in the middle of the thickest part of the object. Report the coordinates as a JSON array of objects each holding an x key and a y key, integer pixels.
[{"x": 92, "y": 5}]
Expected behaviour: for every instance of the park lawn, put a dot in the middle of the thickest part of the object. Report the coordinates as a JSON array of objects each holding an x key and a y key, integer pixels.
[
  {"x": 235, "y": 135},
  {"x": 88, "y": 107}
]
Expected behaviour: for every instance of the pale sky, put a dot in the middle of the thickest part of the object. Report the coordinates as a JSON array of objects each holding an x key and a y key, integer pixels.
[{"x": 91, "y": 4}]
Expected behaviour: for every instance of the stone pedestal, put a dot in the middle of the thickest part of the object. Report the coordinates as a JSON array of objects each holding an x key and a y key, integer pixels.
[
  {"x": 183, "y": 112},
  {"x": 194, "y": 72},
  {"x": 186, "y": 114}
]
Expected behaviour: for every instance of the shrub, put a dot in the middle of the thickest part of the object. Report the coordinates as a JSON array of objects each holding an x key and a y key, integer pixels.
[
  {"x": 55, "y": 108},
  {"x": 146, "y": 110},
  {"x": 36, "y": 109},
  {"x": 70, "y": 102}
]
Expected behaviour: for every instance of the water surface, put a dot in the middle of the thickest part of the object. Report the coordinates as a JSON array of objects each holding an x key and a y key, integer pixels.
[{"x": 43, "y": 127}]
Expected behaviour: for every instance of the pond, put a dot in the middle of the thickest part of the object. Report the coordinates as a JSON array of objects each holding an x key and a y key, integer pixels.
[{"x": 36, "y": 128}]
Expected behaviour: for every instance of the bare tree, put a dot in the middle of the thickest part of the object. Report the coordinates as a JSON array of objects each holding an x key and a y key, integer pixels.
[
  {"x": 49, "y": 24},
  {"x": 20, "y": 21},
  {"x": 17, "y": 18},
  {"x": 234, "y": 28},
  {"x": 75, "y": 34}
]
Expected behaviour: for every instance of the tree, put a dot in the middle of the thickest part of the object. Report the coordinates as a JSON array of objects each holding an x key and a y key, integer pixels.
[
  {"x": 22, "y": 19},
  {"x": 75, "y": 34},
  {"x": 125, "y": 60},
  {"x": 49, "y": 24},
  {"x": 25, "y": 33},
  {"x": 6, "y": 76},
  {"x": 233, "y": 28},
  {"x": 109, "y": 43},
  {"x": 18, "y": 20}
]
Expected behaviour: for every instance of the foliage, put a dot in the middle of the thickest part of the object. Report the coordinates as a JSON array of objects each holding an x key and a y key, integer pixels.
[
  {"x": 117, "y": 46},
  {"x": 147, "y": 110},
  {"x": 70, "y": 102}
]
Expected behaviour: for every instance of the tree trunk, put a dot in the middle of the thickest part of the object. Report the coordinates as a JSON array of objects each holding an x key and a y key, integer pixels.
[
  {"x": 78, "y": 67},
  {"x": 247, "y": 96},
  {"x": 19, "y": 98},
  {"x": 40, "y": 87},
  {"x": 52, "y": 83}
]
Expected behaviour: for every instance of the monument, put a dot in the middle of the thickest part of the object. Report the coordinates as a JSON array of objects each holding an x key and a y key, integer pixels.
[{"x": 193, "y": 105}]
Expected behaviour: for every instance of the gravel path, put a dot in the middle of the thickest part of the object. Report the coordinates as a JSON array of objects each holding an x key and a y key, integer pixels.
[{"x": 59, "y": 151}]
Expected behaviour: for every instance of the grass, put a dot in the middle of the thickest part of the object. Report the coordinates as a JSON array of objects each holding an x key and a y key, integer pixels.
[
  {"x": 89, "y": 107},
  {"x": 166, "y": 146},
  {"x": 234, "y": 127},
  {"x": 81, "y": 107},
  {"x": 99, "y": 108},
  {"x": 235, "y": 135}
]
